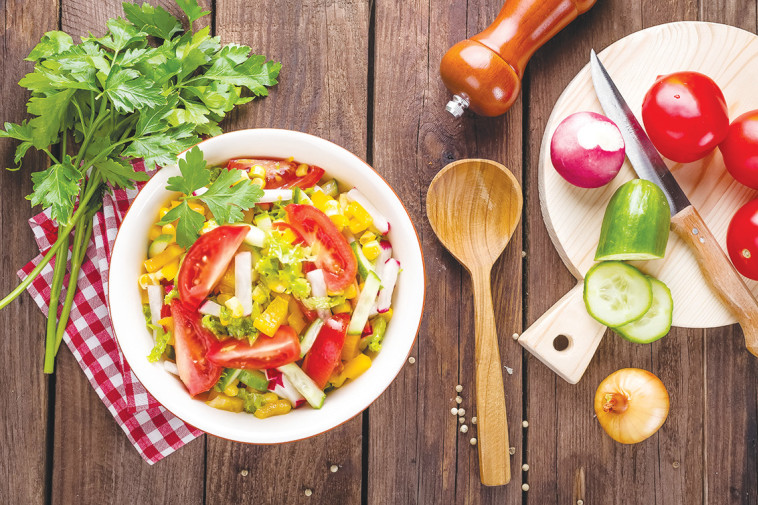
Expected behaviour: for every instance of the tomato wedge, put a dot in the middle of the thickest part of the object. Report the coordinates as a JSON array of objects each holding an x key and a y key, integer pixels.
[
  {"x": 325, "y": 354},
  {"x": 266, "y": 352},
  {"x": 280, "y": 173},
  {"x": 191, "y": 342},
  {"x": 333, "y": 253},
  {"x": 206, "y": 261}
]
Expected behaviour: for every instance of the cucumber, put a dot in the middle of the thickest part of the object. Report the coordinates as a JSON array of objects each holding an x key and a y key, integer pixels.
[
  {"x": 310, "y": 336},
  {"x": 305, "y": 386},
  {"x": 636, "y": 223},
  {"x": 656, "y": 322},
  {"x": 229, "y": 376},
  {"x": 365, "y": 302},
  {"x": 159, "y": 245},
  {"x": 364, "y": 265},
  {"x": 253, "y": 378},
  {"x": 299, "y": 196},
  {"x": 331, "y": 188},
  {"x": 616, "y": 293}
]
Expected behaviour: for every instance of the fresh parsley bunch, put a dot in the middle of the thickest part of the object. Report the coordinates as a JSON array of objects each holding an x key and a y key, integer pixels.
[{"x": 146, "y": 89}]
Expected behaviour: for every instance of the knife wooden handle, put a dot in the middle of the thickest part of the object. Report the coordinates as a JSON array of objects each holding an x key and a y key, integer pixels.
[{"x": 719, "y": 272}]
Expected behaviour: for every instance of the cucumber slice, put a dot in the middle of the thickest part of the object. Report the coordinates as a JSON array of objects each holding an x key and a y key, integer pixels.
[
  {"x": 365, "y": 302},
  {"x": 364, "y": 265},
  {"x": 636, "y": 223},
  {"x": 159, "y": 245},
  {"x": 253, "y": 378},
  {"x": 616, "y": 293},
  {"x": 310, "y": 336},
  {"x": 656, "y": 322},
  {"x": 299, "y": 196},
  {"x": 331, "y": 188},
  {"x": 230, "y": 376},
  {"x": 305, "y": 386}
]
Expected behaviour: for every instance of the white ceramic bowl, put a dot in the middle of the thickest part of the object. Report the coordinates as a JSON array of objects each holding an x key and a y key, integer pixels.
[{"x": 342, "y": 404}]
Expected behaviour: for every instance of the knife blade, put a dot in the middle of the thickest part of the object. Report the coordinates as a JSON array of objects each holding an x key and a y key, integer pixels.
[
  {"x": 685, "y": 219},
  {"x": 639, "y": 149}
]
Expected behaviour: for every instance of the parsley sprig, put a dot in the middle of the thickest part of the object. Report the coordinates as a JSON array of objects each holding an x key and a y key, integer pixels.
[
  {"x": 146, "y": 89},
  {"x": 226, "y": 198}
]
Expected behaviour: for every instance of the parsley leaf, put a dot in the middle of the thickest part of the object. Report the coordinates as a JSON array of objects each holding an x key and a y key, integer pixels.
[
  {"x": 227, "y": 197},
  {"x": 22, "y": 132},
  {"x": 188, "y": 225},
  {"x": 51, "y": 44},
  {"x": 194, "y": 174},
  {"x": 192, "y": 10},
  {"x": 120, "y": 174},
  {"x": 155, "y": 21},
  {"x": 56, "y": 188},
  {"x": 128, "y": 90}
]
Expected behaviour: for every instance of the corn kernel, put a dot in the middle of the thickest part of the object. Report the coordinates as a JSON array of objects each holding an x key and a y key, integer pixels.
[
  {"x": 371, "y": 250},
  {"x": 167, "y": 322},
  {"x": 169, "y": 271},
  {"x": 231, "y": 390},
  {"x": 302, "y": 170},
  {"x": 209, "y": 225},
  {"x": 351, "y": 291},
  {"x": 169, "y": 229},
  {"x": 331, "y": 207},
  {"x": 197, "y": 207},
  {"x": 342, "y": 308},
  {"x": 260, "y": 181},
  {"x": 235, "y": 306},
  {"x": 257, "y": 171},
  {"x": 162, "y": 212},
  {"x": 275, "y": 314},
  {"x": 339, "y": 221},
  {"x": 277, "y": 286},
  {"x": 366, "y": 238},
  {"x": 154, "y": 233},
  {"x": 157, "y": 262}
]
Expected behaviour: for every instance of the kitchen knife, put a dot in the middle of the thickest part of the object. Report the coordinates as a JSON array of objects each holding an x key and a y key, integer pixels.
[{"x": 685, "y": 219}]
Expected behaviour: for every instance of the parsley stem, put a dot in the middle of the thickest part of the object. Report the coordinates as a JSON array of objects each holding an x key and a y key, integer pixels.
[
  {"x": 51, "y": 156},
  {"x": 80, "y": 211},
  {"x": 88, "y": 138},
  {"x": 59, "y": 272}
]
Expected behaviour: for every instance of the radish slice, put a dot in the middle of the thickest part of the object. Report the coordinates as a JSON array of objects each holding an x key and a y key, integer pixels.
[
  {"x": 389, "y": 278},
  {"x": 243, "y": 281},
  {"x": 587, "y": 149},
  {"x": 380, "y": 222},
  {"x": 384, "y": 255},
  {"x": 255, "y": 237},
  {"x": 318, "y": 288},
  {"x": 155, "y": 300},
  {"x": 200, "y": 191},
  {"x": 210, "y": 308},
  {"x": 171, "y": 368},
  {"x": 281, "y": 385},
  {"x": 275, "y": 195}
]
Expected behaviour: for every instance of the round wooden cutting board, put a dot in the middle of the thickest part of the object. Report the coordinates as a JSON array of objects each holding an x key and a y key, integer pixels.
[{"x": 573, "y": 215}]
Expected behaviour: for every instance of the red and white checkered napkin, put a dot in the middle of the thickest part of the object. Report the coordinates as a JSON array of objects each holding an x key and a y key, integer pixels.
[{"x": 153, "y": 431}]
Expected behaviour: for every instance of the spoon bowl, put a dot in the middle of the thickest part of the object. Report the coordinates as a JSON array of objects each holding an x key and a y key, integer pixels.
[{"x": 474, "y": 206}]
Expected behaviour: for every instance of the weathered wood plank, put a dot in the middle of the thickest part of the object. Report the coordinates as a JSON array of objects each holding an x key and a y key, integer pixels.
[
  {"x": 23, "y": 387},
  {"x": 323, "y": 47},
  {"x": 563, "y": 434},
  {"x": 94, "y": 461},
  {"x": 731, "y": 373},
  {"x": 413, "y": 139}
]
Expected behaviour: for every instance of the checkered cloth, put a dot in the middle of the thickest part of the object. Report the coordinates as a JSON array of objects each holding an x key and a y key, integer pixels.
[{"x": 153, "y": 431}]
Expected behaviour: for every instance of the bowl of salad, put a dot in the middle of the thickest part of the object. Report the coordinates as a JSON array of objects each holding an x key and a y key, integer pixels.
[{"x": 268, "y": 287}]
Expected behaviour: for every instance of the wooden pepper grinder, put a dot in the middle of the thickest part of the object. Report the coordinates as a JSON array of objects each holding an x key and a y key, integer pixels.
[{"x": 484, "y": 72}]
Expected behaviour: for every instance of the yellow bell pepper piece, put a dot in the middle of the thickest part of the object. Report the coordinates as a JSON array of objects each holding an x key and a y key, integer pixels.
[
  {"x": 358, "y": 217},
  {"x": 339, "y": 221},
  {"x": 356, "y": 366},
  {"x": 295, "y": 319},
  {"x": 170, "y": 270},
  {"x": 231, "y": 390},
  {"x": 270, "y": 397},
  {"x": 366, "y": 238},
  {"x": 342, "y": 308},
  {"x": 320, "y": 199},
  {"x": 224, "y": 402},
  {"x": 154, "y": 233},
  {"x": 337, "y": 379},
  {"x": 171, "y": 253},
  {"x": 275, "y": 314},
  {"x": 167, "y": 322},
  {"x": 351, "y": 291},
  {"x": 350, "y": 348}
]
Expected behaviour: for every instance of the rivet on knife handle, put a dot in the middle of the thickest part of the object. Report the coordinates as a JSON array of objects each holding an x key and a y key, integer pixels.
[{"x": 719, "y": 272}]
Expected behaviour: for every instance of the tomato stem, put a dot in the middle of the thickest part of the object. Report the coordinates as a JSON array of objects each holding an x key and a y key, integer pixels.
[{"x": 615, "y": 402}]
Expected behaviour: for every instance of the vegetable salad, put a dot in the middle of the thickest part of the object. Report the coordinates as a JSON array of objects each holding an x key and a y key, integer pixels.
[{"x": 266, "y": 284}]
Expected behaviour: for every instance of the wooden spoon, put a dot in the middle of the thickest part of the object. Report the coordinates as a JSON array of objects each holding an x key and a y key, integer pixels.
[{"x": 474, "y": 206}]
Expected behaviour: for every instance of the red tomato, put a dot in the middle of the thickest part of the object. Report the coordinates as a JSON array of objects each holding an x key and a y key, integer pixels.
[
  {"x": 742, "y": 240},
  {"x": 280, "y": 173},
  {"x": 685, "y": 115},
  {"x": 325, "y": 354},
  {"x": 333, "y": 254},
  {"x": 309, "y": 314},
  {"x": 282, "y": 227},
  {"x": 206, "y": 261},
  {"x": 266, "y": 352},
  {"x": 191, "y": 342},
  {"x": 740, "y": 149}
]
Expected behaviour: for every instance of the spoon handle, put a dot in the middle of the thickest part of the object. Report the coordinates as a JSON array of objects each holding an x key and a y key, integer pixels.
[{"x": 492, "y": 423}]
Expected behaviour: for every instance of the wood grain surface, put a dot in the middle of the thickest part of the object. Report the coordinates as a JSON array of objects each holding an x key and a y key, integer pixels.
[{"x": 364, "y": 73}]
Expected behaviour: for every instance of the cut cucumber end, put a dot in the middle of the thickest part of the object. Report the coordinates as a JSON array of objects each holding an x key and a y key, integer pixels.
[
  {"x": 656, "y": 323},
  {"x": 616, "y": 294}
]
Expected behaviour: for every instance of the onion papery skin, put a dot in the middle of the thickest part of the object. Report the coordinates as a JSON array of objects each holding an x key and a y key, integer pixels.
[{"x": 642, "y": 409}]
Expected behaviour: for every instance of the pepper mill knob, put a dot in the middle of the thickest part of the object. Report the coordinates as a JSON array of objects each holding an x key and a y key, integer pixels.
[{"x": 484, "y": 72}]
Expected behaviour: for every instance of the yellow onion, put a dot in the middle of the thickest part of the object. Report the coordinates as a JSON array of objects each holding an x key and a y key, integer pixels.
[{"x": 631, "y": 404}]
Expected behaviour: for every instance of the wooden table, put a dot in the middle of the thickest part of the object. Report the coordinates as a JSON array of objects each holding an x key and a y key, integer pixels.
[{"x": 364, "y": 74}]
